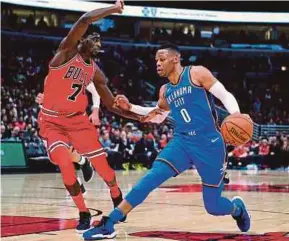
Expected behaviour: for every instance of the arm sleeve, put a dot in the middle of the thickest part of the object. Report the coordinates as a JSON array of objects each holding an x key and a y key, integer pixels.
[
  {"x": 141, "y": 110},
  {"x": 228, "y": 100},
  {"x": 95, "y": 95}
]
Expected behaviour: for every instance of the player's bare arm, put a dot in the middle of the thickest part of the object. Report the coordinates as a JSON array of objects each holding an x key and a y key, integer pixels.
[
  {"x": 77, "y": 31},
  {"x": 100, "y": 82}
]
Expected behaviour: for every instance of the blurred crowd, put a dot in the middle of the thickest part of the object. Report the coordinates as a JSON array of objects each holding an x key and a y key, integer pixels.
[
  {"x": 132, "y": 72},
  {"x": 267, "y": 152},
  {"x": 182, "y": 34}
]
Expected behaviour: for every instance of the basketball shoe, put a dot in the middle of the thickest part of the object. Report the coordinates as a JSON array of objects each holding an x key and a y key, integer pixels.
[
  {"x": 87, "y": 170},
  {"x": 244, "y": 219},
  {"x": 84, "y": 222},
  {"x": 104, "y": 230}
]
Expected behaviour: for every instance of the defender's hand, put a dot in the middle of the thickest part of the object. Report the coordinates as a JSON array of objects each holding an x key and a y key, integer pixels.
[
  {"x": 151, "y": 115},
  {"x": 39, "y": 98},
  {"x": 94, "y": 117},
  {"x": 122, "y": 102}
]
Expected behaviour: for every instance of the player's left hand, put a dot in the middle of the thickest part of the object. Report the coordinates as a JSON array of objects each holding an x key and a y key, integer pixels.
[
  {"x": 151, "y": 115},
  {"x": 94, "y": 117}
]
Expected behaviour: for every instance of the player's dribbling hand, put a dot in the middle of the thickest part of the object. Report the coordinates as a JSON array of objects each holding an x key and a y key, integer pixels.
[
  {"x": 151, "y": 115},
  {"x": 39, "y": 98},
  {"x": 119, "y": 4},
  {"x": 94, "y": 117},
  {"x": 122, "y": 102}
]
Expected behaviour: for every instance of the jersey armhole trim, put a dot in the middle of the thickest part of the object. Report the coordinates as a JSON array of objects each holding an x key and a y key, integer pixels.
[
  {"x": 191, "y": 81},
  {"x": 62, "y": 65}
]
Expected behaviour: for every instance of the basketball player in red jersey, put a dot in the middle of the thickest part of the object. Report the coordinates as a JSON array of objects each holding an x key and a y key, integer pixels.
[{"x": 62, "y": 119}]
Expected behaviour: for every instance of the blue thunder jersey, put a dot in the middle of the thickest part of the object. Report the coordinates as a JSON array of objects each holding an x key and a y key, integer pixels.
[{"x": 192, "y": 107}]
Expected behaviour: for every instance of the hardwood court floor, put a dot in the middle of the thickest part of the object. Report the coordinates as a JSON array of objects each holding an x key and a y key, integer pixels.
[{"x": 35, "y": 207}]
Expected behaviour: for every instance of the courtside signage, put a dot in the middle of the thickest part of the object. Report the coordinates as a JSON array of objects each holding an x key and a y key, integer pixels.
[{"x": 161, "y": 13}]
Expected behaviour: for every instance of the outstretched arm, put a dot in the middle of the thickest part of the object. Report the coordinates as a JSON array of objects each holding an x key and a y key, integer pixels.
[
  {"x": 80, "y": 27},
  {"x": 155, "y": 114},
  {"x": 107, "y": 97}
]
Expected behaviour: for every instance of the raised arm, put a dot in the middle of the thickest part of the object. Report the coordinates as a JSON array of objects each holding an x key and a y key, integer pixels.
[
  {"x": 107, "y": 97},
  {"x": 79, "y": 28}
]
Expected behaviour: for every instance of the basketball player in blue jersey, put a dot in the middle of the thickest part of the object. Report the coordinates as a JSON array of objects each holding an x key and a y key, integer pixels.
[{"x": 197, "y": 141}]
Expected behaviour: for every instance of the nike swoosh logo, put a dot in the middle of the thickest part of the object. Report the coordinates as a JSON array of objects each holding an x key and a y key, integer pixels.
[{"x": 214, "y": 140}]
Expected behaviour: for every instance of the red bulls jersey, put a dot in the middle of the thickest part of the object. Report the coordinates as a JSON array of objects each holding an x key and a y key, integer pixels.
[{"x": 64, "y": 87}]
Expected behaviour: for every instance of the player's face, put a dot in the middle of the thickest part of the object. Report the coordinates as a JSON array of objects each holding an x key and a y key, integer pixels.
[
  {"x": 92, "y": 46},
  {"x": 165, "y": 60}
]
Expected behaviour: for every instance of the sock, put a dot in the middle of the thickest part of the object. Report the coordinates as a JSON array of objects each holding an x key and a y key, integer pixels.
[
  {"x": 81, "y": 161},
  {"x": 101, "y": 166},
  {"x": 116, "y": 215}
]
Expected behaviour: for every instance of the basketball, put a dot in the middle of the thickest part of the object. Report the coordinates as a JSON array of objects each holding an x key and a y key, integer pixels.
[{"x": 237, "y": 129}]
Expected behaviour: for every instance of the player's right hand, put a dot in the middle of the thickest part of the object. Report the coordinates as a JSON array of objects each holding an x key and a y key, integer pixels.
[
  {"x": 39, "y": 98},
  {"x": 119, "y": 4},
  {"x": 151, "y": 115},
  {"x": 122, "y": 102}
]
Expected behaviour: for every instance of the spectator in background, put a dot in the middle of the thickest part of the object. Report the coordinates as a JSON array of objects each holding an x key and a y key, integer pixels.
[
  {"x": 126, "y": 146},
  {"x": 163, "y": 142},
  {"x": 21, "y": 124},
  {"x": 14, "y": 135},
  {"x": 240, "y": 154},
  {"x": 4, "y": 133},
  {"x": 257, "y": 105},
  {"x": 264, "y": 148},
  {"x": 145, "y": 151},
  {"x": 112, "y": 149}
]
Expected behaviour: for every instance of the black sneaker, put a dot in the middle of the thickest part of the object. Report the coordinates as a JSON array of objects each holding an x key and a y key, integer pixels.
[
  {"x": 87, "y": 171},
  {"x": 116, "y": 201},
  {"x": 84, "y": 222}
]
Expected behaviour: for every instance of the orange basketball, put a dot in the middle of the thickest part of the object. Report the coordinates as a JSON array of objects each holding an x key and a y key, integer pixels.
[{"x": 237, "y": 129}]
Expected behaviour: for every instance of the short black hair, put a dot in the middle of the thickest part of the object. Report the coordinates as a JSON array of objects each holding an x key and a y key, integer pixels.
[{"x": 170, "y": 46}]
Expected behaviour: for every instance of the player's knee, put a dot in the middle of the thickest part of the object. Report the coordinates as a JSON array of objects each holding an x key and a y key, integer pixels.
[
  {"x": 73, "y": 189},
  {"x": 211, "y": 208},
  {"x": 61, "y": 156}
]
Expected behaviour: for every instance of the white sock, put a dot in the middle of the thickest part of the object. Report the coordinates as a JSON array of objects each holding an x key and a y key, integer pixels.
[{"x": 81, "y": 161}]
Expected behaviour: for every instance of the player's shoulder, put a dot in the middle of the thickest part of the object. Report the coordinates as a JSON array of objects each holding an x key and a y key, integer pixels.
[
  {"x": 162, "y": 90},
  {"x": 200, "y": 73},
  {"x": 199, "y": 70},
  {"x": 62, "y": 57}
]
